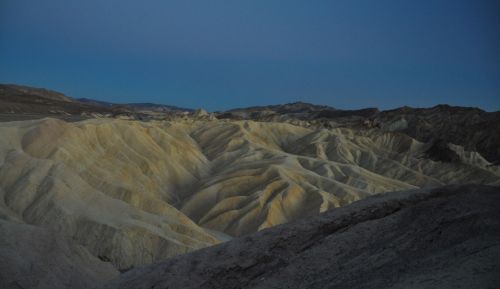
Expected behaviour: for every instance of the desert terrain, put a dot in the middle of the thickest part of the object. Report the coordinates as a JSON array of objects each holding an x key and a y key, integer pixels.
[{"x": 92, "y": 192}]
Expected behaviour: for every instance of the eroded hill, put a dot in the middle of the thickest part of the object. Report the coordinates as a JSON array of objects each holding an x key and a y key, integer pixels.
[{"x": 136, "y": 192}]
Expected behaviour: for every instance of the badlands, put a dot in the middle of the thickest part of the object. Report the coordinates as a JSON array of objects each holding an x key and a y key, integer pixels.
[{"x": 89, "y": 193}]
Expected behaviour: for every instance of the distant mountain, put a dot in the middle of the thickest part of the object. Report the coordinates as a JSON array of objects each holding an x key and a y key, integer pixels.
[
  {"x": 33, "y": 102},
  {"x": 14, "y": 90},
  {"x": 28, "y": 100},
  {"x": 157, "y": 107},
  {"x": 294, "y": 107},
  {"x": 295, "y": 110},
  {"x": 146, "y": 106},
  {"x": 95, "y": 102}
]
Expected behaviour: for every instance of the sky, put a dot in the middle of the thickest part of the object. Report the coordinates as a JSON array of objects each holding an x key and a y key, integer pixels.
[{"x": 225, "y": 54}]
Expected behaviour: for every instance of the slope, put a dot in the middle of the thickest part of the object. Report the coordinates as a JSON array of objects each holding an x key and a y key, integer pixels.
[{"x": 441, "y": 238}]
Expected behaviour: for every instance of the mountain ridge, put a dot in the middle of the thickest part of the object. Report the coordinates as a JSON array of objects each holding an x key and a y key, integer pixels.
[{"x": 473, "y": 128}]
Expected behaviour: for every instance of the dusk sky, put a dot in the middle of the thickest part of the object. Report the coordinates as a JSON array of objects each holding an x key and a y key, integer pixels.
[{"x": 224, "y": 54}]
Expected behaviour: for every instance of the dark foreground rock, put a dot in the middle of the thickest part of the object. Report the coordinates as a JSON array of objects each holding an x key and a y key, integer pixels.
[
  {"x": 35, "y": 257},
  {"x": 442, "y": 238}
]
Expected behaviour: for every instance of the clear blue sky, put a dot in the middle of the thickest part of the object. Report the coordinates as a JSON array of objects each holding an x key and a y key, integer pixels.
[{"x": 222, "y": 54}]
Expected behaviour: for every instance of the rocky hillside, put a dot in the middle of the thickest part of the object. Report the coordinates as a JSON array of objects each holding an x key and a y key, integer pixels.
[
  {"x": 23, "y": 102},
  {"x": 137, "y": 107},
  {"x": 473, "y": 128},
  {"x": 37, "y": 257},
  {"x": 16, "y": 99},
  {"x": 442, "y": 238}
]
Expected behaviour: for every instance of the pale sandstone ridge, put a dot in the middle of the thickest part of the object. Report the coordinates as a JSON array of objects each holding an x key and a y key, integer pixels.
[
  {"x": 137, "y": 192},
  {"x": 447, "y": 237},
  {"x": 106, "y": 185}
]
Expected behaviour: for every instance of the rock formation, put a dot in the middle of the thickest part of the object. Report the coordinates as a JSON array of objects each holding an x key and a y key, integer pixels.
[
  {"x": 442, "y": 238},
  {"x": 137, "y": 192},
  {"x": 36, "y": 257}
]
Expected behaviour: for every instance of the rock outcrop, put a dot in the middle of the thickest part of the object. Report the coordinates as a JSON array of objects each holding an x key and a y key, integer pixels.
[
  {"x": 442, "y": 238},
  {"x": 36, "y": 257}
]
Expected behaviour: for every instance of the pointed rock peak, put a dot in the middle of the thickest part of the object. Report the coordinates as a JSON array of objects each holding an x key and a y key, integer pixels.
[{"x": 201, "y": 112}]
